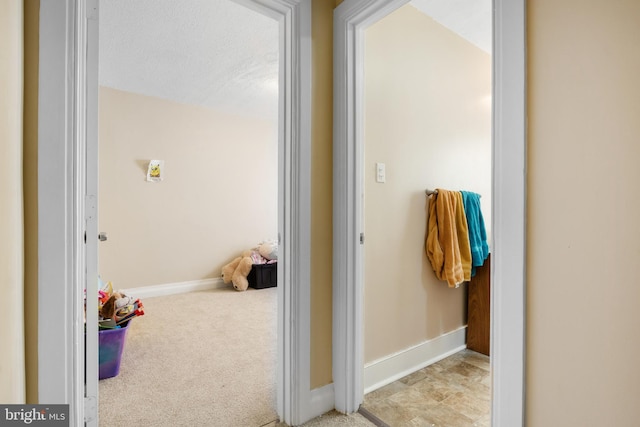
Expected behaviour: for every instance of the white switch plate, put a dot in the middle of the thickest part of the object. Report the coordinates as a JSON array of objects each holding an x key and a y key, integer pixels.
[{"x": 381, "y": 174}]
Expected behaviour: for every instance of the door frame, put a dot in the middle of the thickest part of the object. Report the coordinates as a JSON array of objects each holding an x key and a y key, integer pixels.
[
  {"x": 65, "y": 135},
  {"x": 508, "y": 207}
]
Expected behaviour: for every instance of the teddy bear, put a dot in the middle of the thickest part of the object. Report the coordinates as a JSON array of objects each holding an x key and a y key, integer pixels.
[{"x": 236, "y": 271}]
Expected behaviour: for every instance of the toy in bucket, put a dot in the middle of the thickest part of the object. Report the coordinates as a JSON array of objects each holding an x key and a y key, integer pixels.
[{"x": 115, "y": 310}]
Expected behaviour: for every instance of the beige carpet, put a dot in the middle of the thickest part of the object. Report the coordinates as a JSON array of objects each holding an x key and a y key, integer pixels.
[{"x": 197, "y": 359}]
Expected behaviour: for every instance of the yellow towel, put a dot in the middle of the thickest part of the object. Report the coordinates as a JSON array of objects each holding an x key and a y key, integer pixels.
[{"x": 447, "y": 243}]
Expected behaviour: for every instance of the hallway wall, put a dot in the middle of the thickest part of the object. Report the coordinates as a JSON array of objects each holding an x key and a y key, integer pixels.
[
  {"x": 321, "y": 192},
  {"x": 12, "y": 333},
  {"x": 583, "y": 233}
]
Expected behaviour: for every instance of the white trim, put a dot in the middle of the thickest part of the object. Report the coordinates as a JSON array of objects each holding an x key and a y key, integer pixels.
[
  {"x": 350, "y": 19},
  {"x": 398, "y": 365},
  {"x": 87, "y": 113},
  {"x": 62, "y": 204},
  {"x": 322, "y": 400},
  {"x": 59, "y": 344},
  {"x": 509, "y": 196},
  {"x": 294, "y": 222},
  {"x": 508, "y": 265},
  {"x": 176, "y": 288}
]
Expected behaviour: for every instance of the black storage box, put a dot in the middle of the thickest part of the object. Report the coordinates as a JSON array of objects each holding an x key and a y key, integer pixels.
[{"x": 263, "y": 276}]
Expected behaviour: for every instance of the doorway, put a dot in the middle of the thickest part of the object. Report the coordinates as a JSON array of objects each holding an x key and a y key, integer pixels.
[
  {"x": 202, "y": 96},
  {"x": 508, "y": 191},
  {"x": 430, "y": 129},
  {"x": 68, "y": 227}
]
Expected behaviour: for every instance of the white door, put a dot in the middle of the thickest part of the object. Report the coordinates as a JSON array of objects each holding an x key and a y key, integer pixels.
[{"x": 91, "y": 219}]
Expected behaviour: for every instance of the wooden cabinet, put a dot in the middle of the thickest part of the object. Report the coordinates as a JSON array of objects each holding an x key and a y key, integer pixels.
[{"x": 479, "y": 310}]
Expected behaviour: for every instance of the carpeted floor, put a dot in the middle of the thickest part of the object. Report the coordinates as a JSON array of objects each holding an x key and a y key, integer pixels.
[{"x": 197, "y": 359}]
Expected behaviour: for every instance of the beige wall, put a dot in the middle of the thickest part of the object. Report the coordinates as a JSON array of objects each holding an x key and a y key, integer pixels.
[
  {"x": 321, "y": 193},
  {"x": 428, "y": 118},
  {"x": 583, "y": 200},
  {"x": 12, "y": 332},
  {"x": 218, "y": 197}
]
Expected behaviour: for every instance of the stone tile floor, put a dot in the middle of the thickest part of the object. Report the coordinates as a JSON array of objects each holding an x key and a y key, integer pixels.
[{"x": 454, "y": 392}]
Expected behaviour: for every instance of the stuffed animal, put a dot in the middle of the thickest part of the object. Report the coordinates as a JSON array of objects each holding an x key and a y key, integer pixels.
[
  {"x": 269, "y": 250},
  {"x": 236, "y": 271},
  {"x": 116, "y": 302}
]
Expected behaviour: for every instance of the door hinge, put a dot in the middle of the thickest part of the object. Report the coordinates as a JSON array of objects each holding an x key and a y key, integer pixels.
[
  {"x": 90, "y": 408},
  {"x": 362, "y": 238}
]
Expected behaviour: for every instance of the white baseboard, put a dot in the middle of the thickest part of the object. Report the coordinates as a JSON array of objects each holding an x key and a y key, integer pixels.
[
  {"x": 176, "y": 288},
  {"x": 322, "y": 400},
  {"x": 391, "y": 368}
]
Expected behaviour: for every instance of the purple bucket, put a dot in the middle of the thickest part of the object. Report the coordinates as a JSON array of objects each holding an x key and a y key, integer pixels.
[{"x": 110, "y": 346}]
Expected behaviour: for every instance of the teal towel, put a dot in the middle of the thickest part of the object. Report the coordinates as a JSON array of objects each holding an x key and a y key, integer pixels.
[{"x": 477, "y": 232}]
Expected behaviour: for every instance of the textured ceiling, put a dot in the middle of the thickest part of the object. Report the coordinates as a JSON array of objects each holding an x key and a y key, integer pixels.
[
  {"x": 214, "y": 53},
  {"x": 219, "y": 54}
]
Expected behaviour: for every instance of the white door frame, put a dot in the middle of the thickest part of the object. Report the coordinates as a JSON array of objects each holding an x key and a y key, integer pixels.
[
  {"x": 64, "y": 137},
  {"x": 508, "y": 210}
]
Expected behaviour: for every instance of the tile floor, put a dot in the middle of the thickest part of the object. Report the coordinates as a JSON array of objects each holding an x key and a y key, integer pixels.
[{"x": 454, "y": 392}]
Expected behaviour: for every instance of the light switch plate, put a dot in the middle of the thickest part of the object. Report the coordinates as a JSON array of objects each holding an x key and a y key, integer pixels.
[{"x": 381, "y": 173}]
